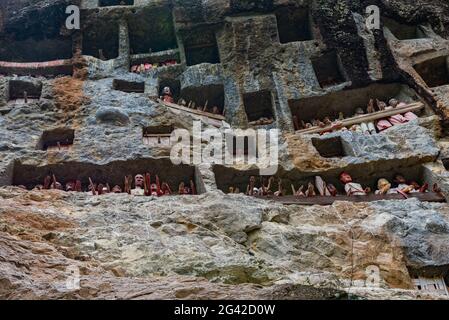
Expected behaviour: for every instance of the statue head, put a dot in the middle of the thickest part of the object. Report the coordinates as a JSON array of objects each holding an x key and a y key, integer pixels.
[
  {"x": 394, "y": 103},
  {"x": 70, "y": 186},
  {"x": 383, "y": 184},
  {"x": 117, "y": 189},
  {"x": 399, "y": 179},
  {"x": 167, "y": 91},
  {"x": 345, "y": 178},
  {"x": 359, "y": 111},
  {"x": 138, "y": 180}
]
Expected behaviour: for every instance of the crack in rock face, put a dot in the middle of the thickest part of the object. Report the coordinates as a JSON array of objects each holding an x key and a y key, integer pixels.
[{"x": 94, "y": 112}]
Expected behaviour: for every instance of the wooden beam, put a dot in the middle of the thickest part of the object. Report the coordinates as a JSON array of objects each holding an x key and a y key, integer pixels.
[
  {"x": 326, "y": 200},
  {"x": 197, "y": 112},
  {"x": 370, "y": 117}
]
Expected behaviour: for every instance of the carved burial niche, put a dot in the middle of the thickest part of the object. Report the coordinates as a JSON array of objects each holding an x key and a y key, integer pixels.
[
  {"x": 110, "y": 3},
  {"x": 101, "y": 40},
  {"x": 403, "y": 31},
  {"x": 112, "y": 173},
  {"x": 258, "y": 105},
  {"x": 206, "y": 96},
  {"x": 152, "y": 30},
  {"x": 128, "y": 86},
  {"x": 328, "y": 69},
  {"x": 60, "y": 139},
  {"x": 201, "y": 47},
  {"x": 20, "y": 89},
  {"x": 434, "y": 72},
  {"x": 294, "y": 24},
  {"x": 330, "y": 147},
  {"x": 347, "y": 101},
  {"x": 157, "y": 136},
  {"x": 38, "y": 39}
]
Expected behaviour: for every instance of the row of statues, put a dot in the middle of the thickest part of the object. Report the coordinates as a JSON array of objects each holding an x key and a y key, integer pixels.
[
  {"x": 167, "y": 96},
  {"x": 399, "y": 186},
  {"x": 142, "y": 186},
  {"x": 364, "y": 127},
  {"x": 146, "y": 67}
]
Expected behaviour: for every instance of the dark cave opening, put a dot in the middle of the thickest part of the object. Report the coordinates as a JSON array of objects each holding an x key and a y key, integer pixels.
[
  {"x": 152, "y": 31},
  {"x": 128, "y": 86},
  {"x": 110, "y": 3},
  {"x": 258, "y": 105},
  {"x": 212, "y": 95},
  {"x": 403, "y": 31},
  {"x": 201, "y": 47},
  {"x": 57, "y": 139},
  {"x": 18, "y": 89},
  {"x": 112, "y": 173},
  {"x": 294, "y": 24},
  {"x": 329, "y": 147},
  {"x": 36, "y": 36},
  {"x": 347, "y": 101},
  {"x": 102, "y": 40},
  {"x": 434, "y": 72},
  {"x": 328, "y": 69}
]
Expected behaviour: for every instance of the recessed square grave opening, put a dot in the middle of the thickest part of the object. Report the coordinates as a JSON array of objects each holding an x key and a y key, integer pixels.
[
  {"x": 37, "y": 40},
  {"x": 157, "y": 136},
  {"x": 328, "y": 69},
  {"x": 173, "y": 84},
  {"x": 152, "y": 30},
  {"x": 258, "y": 105},
  {"x": 128, "y": 86},
  {"x": 434, "y": 72},
  {"x": 56, "y": 140},
  {"x": 112, "y": 173},
  {"x": 206, "y": 96},
  {"x": 110, "y": 3},
  {"x": 201, "y": 47},
  {"x": 330, "y": 147},
  {"x": 347, "y": 101},
  {"x": 101, "y": 40},
  {"x": 18, "y": 89},
  {"x": 403, "y": 31},
  {"x": 294, "y": 24}
]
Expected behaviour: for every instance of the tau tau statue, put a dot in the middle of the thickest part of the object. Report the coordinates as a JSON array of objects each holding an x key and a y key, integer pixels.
[
  {"x": 352, "y": 188},
  {"x": 167, "y": 95},
  {"x": 138, "y": 186}
]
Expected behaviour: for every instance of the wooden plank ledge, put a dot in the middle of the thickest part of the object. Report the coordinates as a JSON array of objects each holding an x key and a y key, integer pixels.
[
  {"x": 193, "y": 111},
  {"x": 370, "y": 117},
  {"x": 326, "y": 200}
]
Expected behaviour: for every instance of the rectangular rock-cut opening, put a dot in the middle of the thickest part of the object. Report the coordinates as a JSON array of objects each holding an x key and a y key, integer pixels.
[
  {"x": 366, "y": 175},
  {"x": 434, "y": 72},
  {"x": 329, "y": 147},
  {"x": 102, "y": 40},
  {"x": 347, "y": 101},
  {"x": 20, "y": 89},
  {"x": 201, "y": 47},
  {"x": 128, "y": 86},
  {"x": 403, "y": 31},
  {"x": 110, "y": 3},
  {"x": 112, "y": 173},
  {"x": 328, "y": 69},
  {"x": 294, "y": 24},
  {"x": 173, "y": 84},
  {"x": 59, "y": 139},
  {"x": 152, "y": 30},
  {"x": 157, "y": 136},
  {"x": 258, "y": 105},
  {"x": 208, "y": 98},
  {"x": 431, "y": 279}
]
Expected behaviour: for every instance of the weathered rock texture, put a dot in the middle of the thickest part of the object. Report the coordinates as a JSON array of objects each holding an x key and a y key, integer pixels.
[{"x": 215, "y": 245}]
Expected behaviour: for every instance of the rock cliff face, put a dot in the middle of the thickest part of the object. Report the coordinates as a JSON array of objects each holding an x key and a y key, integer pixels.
[{"x": 281, "y": 60}]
